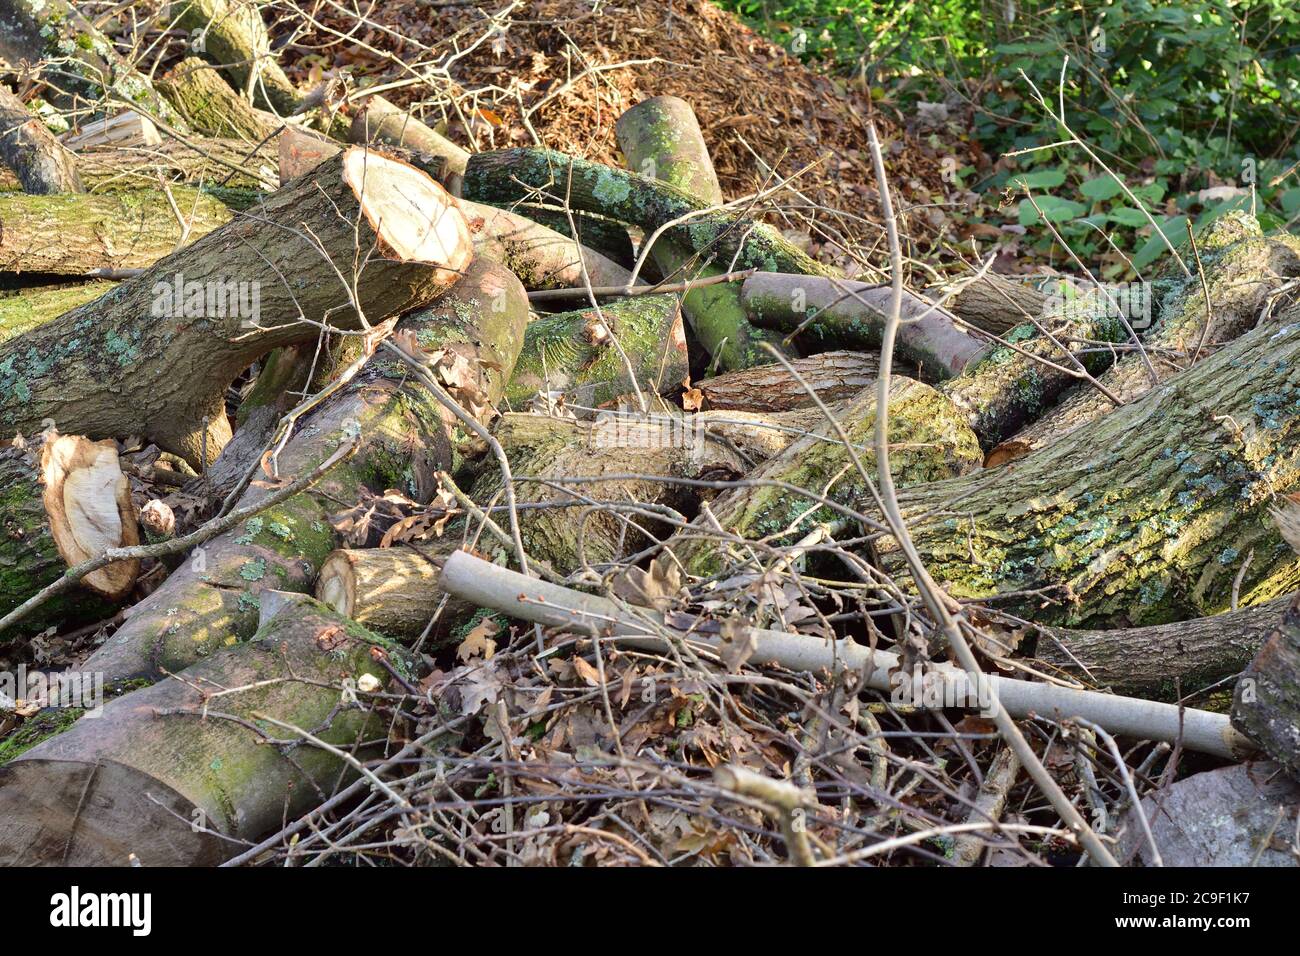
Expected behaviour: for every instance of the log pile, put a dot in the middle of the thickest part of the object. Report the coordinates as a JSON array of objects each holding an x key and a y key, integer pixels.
[{"x": 335, "y": 472}]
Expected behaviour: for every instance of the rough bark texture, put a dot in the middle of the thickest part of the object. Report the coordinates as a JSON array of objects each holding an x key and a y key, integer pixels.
[
  {"x": 31, "y": 151},
  {"x": 200, "y": 160},
  {"x": 1266, "y": 703},
  {"x": 1164, "y": 661},
  {"x": 929, "y": 441},
  {"x": 162, "y": 759},
  {"x": 62, "y": 501},
  {"x": 74, "y": 234},
  {"x": 770, "y": 388},
  {"x": 573, "y": 353},
  {"x": 139, "y": 361},
  {"x": 408, "y": 438},
  {"x": 994, "y": 303},
  {"x": 1144, "y": 516},
  {"x": 852, "y": 314},
  {"x": 81, "y": 61},
  {"x": 609, "y": 238},
  {"x": 661, "y": 139},
  {"x": 1242, "y": 269},
  {"x": 234, "y": 38},
  {"x": 206, "y": 100}
]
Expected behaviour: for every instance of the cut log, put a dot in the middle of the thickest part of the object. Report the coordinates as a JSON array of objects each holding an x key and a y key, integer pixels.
[
  {"x": 210, "y": 106},
  {"x": 76, "y": 60},
  {"x": 379, "y": 121},
  {"x": 609, "y": 238},
  {"x": 1141, "y": 517},
  {"x": 65, "y": 500},
  {"x": 199, "y": 161},
  {"x": 407, "y": 439},
  {"x": 1266, "y": 702},
  {"x": 41, "y": 164},
  {"x": 233, "y": 36},
  {"x": 574, "y": 353},
  {"x": 1163, "y": 661},
  {"x": 847, "y": 314},
  {"x": 124, "y": 129},
  {"x": 73, "y": 235},
  {"x": 507, "y": 176},
  {"x": 1242, "y": 270},
  {"x": 992, "y": 302},
  {"x": 137, "y": 362},
  {"x": 929, "y": 441},
  {"x": 175, "y": 778},
  {"x": 661, "y": 139},
  {"x": 301, "y": 151},
  {"x": 394, "y": 590},
  {"x": 770, "y": 388}
]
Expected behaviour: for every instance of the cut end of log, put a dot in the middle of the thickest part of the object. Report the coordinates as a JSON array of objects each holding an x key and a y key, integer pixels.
[
  {"x": 336, "y": 585},
  {"x": 414, "y": 218},
  {"x": 88, "y": 502}
]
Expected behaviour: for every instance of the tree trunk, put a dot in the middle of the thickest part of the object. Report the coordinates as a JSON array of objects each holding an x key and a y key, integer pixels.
[
  {"x": 394, "y": 590},
  {"x": 1165, "y": 661},
  {"x": 994, "y": 303},
  {"x": 605, "y": 236},
  {"x": 1242, "y": 270},
  {"x": 1266, "y": 703},
  {"x": 176, "y": 776},
  {"x": 210, "y": 106},
  {"x": 661, "y": 139},
  {"x": 76, "y": 60},
  {"x": 244, "y": 173},
  {"x": 31, "y": 308},
  {"x": 64, "y": 500},
  {"x": 138, "y": 362},
  {"x": 31, "y": 151},
  {"x": 574, "y": 353},
  {"x": 852, "y": 314},
  {"x": 379, "y": 121},
  {"x": 834, "y": 376},
  {"x": 1140, "y": 517},
  {"x": 75, "y": 234},
  {"x": 234, "y": 38},
  {"x": 408, "y": 438},
  {"x": 929, "y": 441}
]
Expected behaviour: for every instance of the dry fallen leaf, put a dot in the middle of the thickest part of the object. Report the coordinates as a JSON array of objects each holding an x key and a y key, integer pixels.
[{"x": 478, "y": 642}]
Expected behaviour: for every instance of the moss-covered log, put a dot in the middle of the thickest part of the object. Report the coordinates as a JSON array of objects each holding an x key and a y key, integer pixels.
[
  {"x": 73, "y": 235},
  {"x": 178, "y": 778},
  {"x": 41, "y": 164},
  {"x": 206, "y": 100},
  {"x": 609, "y": 238},
  {"x": 846, "y": 314},
  {"x": 31, "y": 308},
  {"x": 1242, "y": 270},
  {"x": 661, "y": 139},
  {"x": 63, "y": 500},
  {"x": 1266, "y": 701},
  {"x": 833, "y": 376},
  {"x": 235, "y": 39},
  {"x": 1141, "y": 517},
  {"x": 928, "y": 439},
  {"x": 211, "y": 600},
  {"x": 573, "y": 353},
  {"x": 155, "y": 355},
  {"x": 519, "y": 175}
]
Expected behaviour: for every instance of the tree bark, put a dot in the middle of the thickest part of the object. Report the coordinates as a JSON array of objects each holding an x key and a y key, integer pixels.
[
  {"x": 64, "y": 500},
  {"x": 994, "y": 303},
  {"x": 661, "y": 139},
  {"x": 1163, "y": 661},
  {"x": 1141, "y": 517},
  {"x": 42, "y": 165},
  {"x": 1266, "y": 702},
  {"x": 770, "y": 388},
  {"x": 394, "y": 590},
  {"x": 235, "y": 39},
  {"x": 1242, "y": 270},
  {"x": 574, "y": 353},
  {"x": 210, "y": 106},
  {"x": 178, "y": 777},
  {"x": 852, "y": 315},
  {"x": 138, "y": 362},
  {"x": 379, "y": 121},
  {"x": 408, "y": 438},
  {"x": 605, "y": 236},
  {"x": 75, "y": 234}
]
